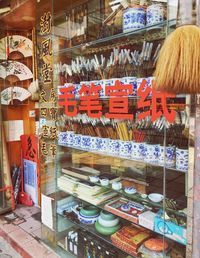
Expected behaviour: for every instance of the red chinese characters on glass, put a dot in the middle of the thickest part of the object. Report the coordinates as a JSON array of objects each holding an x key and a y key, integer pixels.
[
  {"x": 118, "y": 102},
  {"x": 67, "y": 99},
  {"x": 89, "y": 100},
  {"x": 156, "y": 106}
]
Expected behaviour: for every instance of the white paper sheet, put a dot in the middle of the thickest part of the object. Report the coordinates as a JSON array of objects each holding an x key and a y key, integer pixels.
[
  {"x": 13, "y": 130},
  {"x": 47, "y": 211}
]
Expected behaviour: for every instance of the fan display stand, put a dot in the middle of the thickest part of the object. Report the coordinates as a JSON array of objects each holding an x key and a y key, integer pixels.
[{"x": 17, "y": 70}]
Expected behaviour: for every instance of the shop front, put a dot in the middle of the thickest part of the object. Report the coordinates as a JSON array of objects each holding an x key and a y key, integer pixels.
[{"x": 117, "y": 157}]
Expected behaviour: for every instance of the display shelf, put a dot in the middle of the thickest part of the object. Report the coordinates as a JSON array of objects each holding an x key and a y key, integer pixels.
[
  {"x": 153, "y": 29},
  {"x": 120, "y": 157},
  {"x": 91, "y": 229},
  {"x": 131, "y": 197},
  {"x": 102, "y": 207}
]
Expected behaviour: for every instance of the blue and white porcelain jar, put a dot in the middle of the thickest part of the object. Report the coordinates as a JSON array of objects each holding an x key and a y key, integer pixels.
[
  {"x": 93, "y": 143},
  {"x": 102, "y": 144},
  {"x": 152, "y": 153},
  {"x": 125, "y": 149},
  {"x": 86, "y": 142},
  {"x": 62, "y": 138},
  {"x": 77, "y": 140},
  {"x": 70, "y": 138},
  {"x": 138, "y": 150},
  {"x": 134, "y": 18},
  {"x": 182, "y": 156},
  {"x": 155, "y": 14},
  {"x": 132, "y": 81},
  {"x": 113, "y": 147},
  {"x": 76, "y": 90},
  {"x": 167, "y": 156}
]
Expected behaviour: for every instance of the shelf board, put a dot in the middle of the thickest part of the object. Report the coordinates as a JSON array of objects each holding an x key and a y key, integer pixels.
[
  {"x": 132, "y": 197},
  {"x": 101, "y": 206},
  {"x": 91, "y": 229},
  {"x": 123, "y": 158},
  {"x": 119, "y": 36}
]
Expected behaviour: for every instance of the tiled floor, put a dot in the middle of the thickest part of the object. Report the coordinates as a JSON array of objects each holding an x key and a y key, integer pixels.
[
  {"x": 24, "y": 233},
  {"x": 7, "y": 251}
]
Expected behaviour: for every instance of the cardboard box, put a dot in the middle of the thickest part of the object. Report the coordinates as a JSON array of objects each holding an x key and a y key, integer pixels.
[
  {"x": 146, "y": 219},
  {"x": 170, "y": 230}
]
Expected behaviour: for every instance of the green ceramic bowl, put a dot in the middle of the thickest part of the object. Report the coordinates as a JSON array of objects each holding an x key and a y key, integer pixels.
[
  {"x": 106, "y": 231},
  {"x": 107, "y": 215},
  {"x": 89, "y": 210}
]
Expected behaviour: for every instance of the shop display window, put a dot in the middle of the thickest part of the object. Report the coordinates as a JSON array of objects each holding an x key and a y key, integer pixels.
[{"x": 117, "y": 151}]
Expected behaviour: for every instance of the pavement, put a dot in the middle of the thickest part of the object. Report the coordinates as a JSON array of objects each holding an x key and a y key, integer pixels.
[
  {"x": 20, "y": 232},
  {"x": 7, "y": 251}
]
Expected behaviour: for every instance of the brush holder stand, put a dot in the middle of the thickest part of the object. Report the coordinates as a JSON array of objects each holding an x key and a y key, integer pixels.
[
  {"x": 155, "y": 14},
  {"x": 138, "y": 150},
  {"x": 134, "y": 18},
  {"x": 182, "y": 156}
]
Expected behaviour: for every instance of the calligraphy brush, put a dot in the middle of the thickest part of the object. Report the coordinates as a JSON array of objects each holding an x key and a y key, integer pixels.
[{"x": 178, "y": 65}]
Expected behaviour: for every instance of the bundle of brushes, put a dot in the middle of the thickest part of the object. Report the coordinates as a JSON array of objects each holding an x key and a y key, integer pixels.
[{"x": 178, "y": 64}]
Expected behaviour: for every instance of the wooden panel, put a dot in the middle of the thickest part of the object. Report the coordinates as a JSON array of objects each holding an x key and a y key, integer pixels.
[{"x": 21, "y": 17}]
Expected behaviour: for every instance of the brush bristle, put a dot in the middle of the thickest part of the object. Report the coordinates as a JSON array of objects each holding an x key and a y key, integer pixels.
[{"x": 178, "y": 65}]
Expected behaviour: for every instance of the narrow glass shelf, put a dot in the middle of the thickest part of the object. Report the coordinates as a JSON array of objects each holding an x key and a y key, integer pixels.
[
  {"x": 102, "y": 207},
  {"x": 153, "y": 29},
  {"x": 91, "y": 229},
  {"x": 120, "y": 157},
  {"x": 134, "y": 197},
  {"x": 179, "y": 96}
]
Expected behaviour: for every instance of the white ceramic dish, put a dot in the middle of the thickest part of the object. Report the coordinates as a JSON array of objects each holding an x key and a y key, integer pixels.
[
  {"x": 108, "y": 223},
  {"x": 130, "y": 190},
  {"x": 155, "y": 197},
  {"x": 94, "y": 179},
  {"x": 117, "y": 186},
  {"x": 104, "y": 182}
]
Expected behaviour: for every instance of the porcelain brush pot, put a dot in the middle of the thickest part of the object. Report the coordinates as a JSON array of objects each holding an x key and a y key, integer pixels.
[{"x": 178, "y": 65}]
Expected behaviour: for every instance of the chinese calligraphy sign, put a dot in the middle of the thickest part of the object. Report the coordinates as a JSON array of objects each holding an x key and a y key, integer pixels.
[{"x": 151, "y": 103}]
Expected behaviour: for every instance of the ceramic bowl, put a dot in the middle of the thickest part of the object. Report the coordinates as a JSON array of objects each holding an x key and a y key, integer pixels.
[
  {"x": 108, "y": 223},
  {"x": 117, "y": 186},
  {"x": 155, "y": 197},
  {"x": 89, "y": 220},
  {"x": 94, "y": 179},
  {"x": 107, "y": 215},
  {"x": 130, "y": 190},
  {"x": 106, "y": 231},
  {"x": 104, "y": 181},
  {"x": 89, "y": 210},
  {"x": 144, "y": 196},
  {"x": 125, "y": 207}
]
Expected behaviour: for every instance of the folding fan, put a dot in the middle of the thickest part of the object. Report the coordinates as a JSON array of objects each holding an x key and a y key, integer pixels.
[
  {"x": 13, "y": 43},
  {"x": 14, "y": 93},
  {"x": 15, "y": 68}
]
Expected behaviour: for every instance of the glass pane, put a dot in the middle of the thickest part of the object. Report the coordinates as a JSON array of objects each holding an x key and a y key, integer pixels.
[{"x": 117, "y": 150}]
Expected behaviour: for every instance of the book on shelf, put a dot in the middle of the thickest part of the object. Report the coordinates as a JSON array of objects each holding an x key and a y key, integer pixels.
[
  {"x": 98, "y": 199},
  {"x": 80, "y": 173}
]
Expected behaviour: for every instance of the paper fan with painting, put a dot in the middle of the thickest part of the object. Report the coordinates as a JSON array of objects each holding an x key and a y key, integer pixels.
[
  {"x": 13, "y": 95},
  {"x": 15, "y": 43},
  {"x": 14, "y": 68}
]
